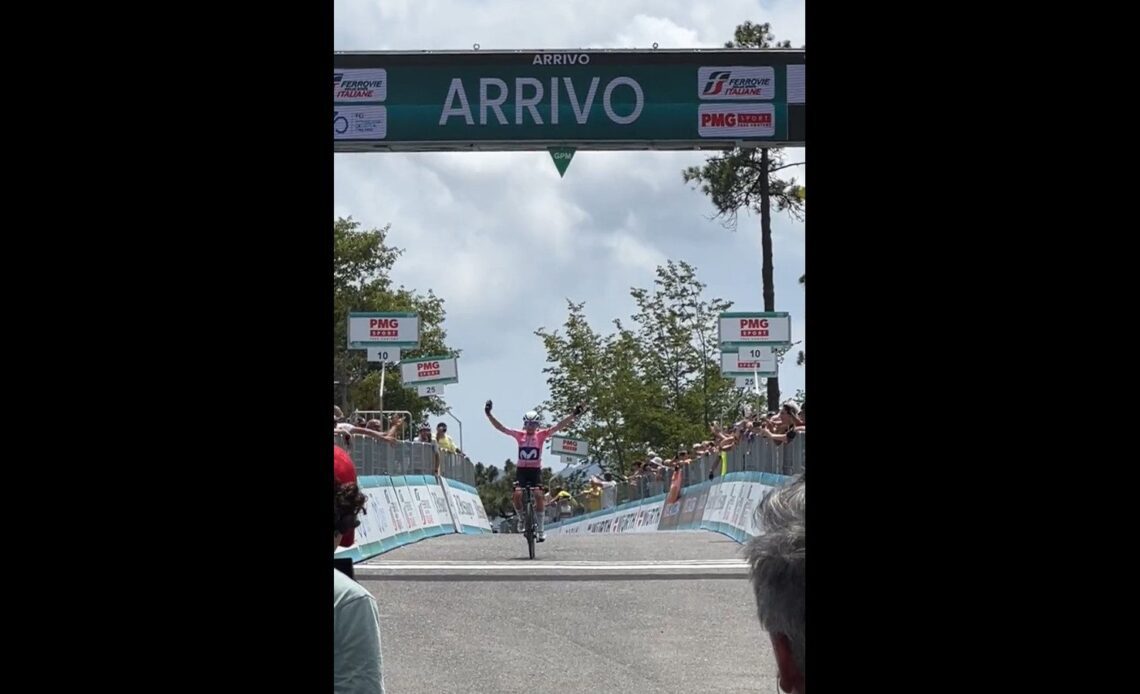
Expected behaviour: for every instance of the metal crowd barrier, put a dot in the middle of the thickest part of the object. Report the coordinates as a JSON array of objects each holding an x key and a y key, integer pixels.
[
  {"x": 758, "y": 454},
  {"x": 374, "y": 457}
]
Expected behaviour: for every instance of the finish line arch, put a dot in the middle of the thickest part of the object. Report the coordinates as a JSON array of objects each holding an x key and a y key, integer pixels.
[{"x": 449, "y": 101}]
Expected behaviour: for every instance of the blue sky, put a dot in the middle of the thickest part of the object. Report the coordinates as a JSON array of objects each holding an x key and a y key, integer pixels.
[{"x": 504, "y": 241}]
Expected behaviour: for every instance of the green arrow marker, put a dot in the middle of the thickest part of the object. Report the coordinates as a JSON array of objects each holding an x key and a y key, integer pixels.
[{"x": 562, "y": 157}]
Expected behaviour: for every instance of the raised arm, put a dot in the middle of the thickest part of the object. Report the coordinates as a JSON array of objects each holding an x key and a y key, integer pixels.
[
  {"x": 373, "y": 434},
  {"x": 394, "y": 430},
  {"x": 494, "y": 422},
  {"x": 578, "y": 409}
]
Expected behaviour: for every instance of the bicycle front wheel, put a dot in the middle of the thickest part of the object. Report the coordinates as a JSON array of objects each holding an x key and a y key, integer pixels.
[{"x": 530, "y": 530}]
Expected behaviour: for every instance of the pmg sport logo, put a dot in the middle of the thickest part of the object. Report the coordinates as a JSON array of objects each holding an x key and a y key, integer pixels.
[
  {"x": 740, "y": 83},
  {"x": 738, "y": 122}
]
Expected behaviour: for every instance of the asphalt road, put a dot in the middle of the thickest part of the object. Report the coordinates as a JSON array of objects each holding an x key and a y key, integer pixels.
[{"x": 652, "y": 612}]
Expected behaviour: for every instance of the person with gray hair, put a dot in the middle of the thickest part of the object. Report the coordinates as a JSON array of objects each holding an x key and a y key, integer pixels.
[{"x": 776, "y": 559}]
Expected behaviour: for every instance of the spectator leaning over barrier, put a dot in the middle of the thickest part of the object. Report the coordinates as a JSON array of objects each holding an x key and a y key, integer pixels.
[
  {"x": 777, "y": 566},
  {"x": 789, "y": 417},
  {"x": 791, "y": 411},
  {"x": 347, "y": 431},
  {"x": 357, "y": 660},
  {"x": 785, "y": 426},
  {"x": 675, "y": 482},
  {"x": 445, "y": 442},
  {"x": 609, "y": 489},
  {"x": 564, "y": 501},
  {"x": 592, "y": 498},
  {"x": 394, "y": 432},
  {"x": 725, "y": 439}
]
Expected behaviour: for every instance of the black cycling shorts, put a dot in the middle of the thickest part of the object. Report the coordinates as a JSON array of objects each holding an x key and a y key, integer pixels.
[{"x": 528, "y": 477}]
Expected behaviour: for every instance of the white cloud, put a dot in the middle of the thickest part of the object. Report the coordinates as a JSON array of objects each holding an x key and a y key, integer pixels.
[
  {"x": 644, "y": 31},
  {"x": 521, "y": 24},
  {"x": 630, "y": 251}
]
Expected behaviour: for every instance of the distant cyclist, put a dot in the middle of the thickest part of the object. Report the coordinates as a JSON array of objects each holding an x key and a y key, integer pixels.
[{"x": 529, "y": 473}]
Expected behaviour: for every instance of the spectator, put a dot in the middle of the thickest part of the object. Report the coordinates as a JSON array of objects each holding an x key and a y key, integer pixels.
[
  {"x": 377, "y": 425},
  {"x": 785, "y": 426},
  {"x": 347, "y": 431},
  {"x": 725, "y": 440},
  {"x": 425, "y": 438},
  {"x": 357, "y": 660},
  {"x": 608, "y": 487},
  {"x": 444, "y": 441},
  {"x": 791, "y": 411},
  {"x": 777, "y": 559},
  {"x": 344, "y": 472},
  {"x": 564, "y": 501},
  {"x": 592, "y": 497},
  {"x": 675, "y": 482}
]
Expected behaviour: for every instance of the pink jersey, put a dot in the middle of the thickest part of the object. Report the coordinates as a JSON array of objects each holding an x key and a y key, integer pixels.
[{"x": 530, "y": 446}]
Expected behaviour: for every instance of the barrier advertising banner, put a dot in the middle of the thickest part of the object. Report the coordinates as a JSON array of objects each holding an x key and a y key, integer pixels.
[
  {"x": 726, "y": 505},
  {"x": 472, "y": 516},
  {"x": 407, "y": 508},
  {"x": 398, "y": 511}
]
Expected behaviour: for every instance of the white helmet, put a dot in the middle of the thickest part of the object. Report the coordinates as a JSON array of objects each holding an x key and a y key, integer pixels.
[{"x": 530, "y": 418}]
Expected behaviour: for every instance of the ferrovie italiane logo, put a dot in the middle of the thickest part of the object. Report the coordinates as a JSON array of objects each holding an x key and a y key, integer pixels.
[
  {"x": 736, "y": 83},
  {"x": 716, "y": 82},
  {"x": 360, "y": 86}
]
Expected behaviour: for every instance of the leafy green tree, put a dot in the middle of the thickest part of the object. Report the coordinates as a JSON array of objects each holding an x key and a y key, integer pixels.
[
  {"x": 362, "y": 265},
  {"x": 656, "y": 383}
]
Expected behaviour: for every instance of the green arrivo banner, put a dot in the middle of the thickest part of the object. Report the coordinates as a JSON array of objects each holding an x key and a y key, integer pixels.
[{"x": 596, "y": 99}]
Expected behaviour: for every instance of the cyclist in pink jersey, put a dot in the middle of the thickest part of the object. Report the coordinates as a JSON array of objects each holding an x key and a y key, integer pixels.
[{"x": 530, "y": 442}]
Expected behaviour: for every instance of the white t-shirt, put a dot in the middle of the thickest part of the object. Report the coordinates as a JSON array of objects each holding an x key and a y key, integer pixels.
[
  {"x": 609, "y": 494},
  {"x": 357, "y": 661}
]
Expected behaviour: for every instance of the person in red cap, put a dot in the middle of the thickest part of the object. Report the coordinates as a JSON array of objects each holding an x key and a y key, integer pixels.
[
  {"x": 357, "y": 659},
  {"x": 344, "y": 472}
]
